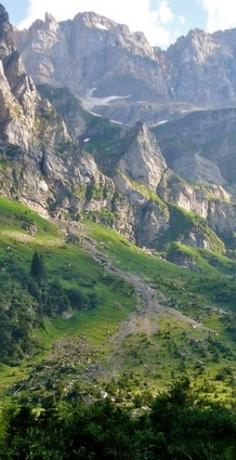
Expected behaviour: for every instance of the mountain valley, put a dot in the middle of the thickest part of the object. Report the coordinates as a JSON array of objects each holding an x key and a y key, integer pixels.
[{"x": 117, "y": 229}]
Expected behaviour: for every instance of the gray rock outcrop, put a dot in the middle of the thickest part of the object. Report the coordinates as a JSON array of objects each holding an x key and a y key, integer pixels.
[
  {"x": 66, "y": 162},
  {"x": 118, "y": 74}
]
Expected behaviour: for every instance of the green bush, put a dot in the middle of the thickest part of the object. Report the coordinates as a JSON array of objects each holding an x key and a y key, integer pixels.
[{"x": 178, "y": 426}]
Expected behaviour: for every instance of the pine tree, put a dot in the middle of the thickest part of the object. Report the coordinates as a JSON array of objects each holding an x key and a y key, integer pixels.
[{"x": 37, "y": 269}]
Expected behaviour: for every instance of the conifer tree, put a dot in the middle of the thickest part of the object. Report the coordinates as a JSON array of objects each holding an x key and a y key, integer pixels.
[{"x": 38, "y": 269}]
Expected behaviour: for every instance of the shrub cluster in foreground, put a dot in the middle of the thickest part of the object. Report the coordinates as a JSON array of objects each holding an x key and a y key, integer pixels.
[{"x": 175, "y": 427}]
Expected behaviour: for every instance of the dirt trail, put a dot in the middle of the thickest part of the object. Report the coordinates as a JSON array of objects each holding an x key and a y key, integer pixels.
[{"x": 150, "y": 305}]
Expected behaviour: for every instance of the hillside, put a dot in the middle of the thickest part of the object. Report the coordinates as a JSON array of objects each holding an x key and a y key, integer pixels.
[
  {"x": 107, "y": 321},
  {"x": 117, "y": 247},
  {"x": 106, "y": 302}
]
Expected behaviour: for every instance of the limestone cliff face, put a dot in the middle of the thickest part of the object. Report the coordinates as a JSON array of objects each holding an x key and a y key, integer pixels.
[
  {"x": 24, "y": 114},
  {"x": 141, "y": 216},
  {"x": 205, "y": 139},
  {"x": 173, "y": 189},
  {"x": 209, "y": 201},
  {"x": 40, "y": 164},
  {"x": 201, "y": 147},
  {"x": 17, "y": 92},
  {"x": 202, "y": 68},
  {"x": 222, "y": 218},
  {"x": 64, "y": 161},
  {"x": 118, "y": 74},
  {"x": 143, "y": 161},
  {"x": 196, "y": 168},
  {"x": 98, "y": 60}
]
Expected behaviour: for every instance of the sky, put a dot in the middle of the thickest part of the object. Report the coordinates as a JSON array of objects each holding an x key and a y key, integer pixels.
[{"x": 162, "y": 21}]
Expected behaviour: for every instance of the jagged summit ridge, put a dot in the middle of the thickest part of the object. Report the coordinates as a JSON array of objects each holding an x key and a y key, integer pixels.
[
  {"x": 81, "y": 52},
  {"x": 91, "y": 19},
  {"x": 69, "y": 163},
  {"x": 92, "y": 51}
]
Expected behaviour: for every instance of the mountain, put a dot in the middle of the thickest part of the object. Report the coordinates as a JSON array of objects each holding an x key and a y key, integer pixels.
[
  {"x": 119, "y": 75},
  {"x": 117, "y": 241},
  {"x": 203, "y": 68},
  {"x": 51, "y": 167},
  {"x": 98, "y": 60}
]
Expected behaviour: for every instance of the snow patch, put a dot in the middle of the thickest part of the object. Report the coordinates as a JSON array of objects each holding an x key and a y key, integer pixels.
[
  {"x": 101, "y": 27},
  {"x": 90, "y": 101},
  {"x": 116, "y": 122},
  {"x": 162, "y": 122},
  {"x": 95, "y": 114}
]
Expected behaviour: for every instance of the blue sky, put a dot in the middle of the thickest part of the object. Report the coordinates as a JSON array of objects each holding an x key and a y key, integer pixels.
[
  {"x": 17, "y": 9},
  {"x": 162, "y": 21}
]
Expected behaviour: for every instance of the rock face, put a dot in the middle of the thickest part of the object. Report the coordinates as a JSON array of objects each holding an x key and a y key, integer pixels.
[
  {"x": 143, "y": 161},
  {"x": 205, "y": 137},
  {"x": 18, "y": 96},
  {"x": 67, "y": 162},
  {"x": 39, "y": 162},
  {"x": 203, "y": 69},
  {"x": 98, "y": 60},
  {"x": 198, "y": 169},
  {"x": 118, "y": 74}
]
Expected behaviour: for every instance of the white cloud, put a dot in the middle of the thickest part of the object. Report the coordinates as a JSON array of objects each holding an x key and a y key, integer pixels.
[
  {"x": 182, "y": 19},
  {"x": 164, "y": 13},
  {"x": 221, "y": 14},
  {"x": 139, "y": 15}
]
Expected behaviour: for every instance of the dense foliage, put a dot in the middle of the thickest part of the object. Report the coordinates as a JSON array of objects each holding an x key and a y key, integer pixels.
[
  {"x": 176, "y": 426},
  {"x": 25, "y": 299},
  {"x": 48, "y": 291}
]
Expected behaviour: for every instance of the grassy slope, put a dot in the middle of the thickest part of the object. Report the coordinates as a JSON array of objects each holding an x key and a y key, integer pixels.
[
  {"x": 206, "y": 261},
  {"x": 168, "y": 276},
  {"x": 154, "y": 360},
  {"x": 193, "y": 295},
  {"x": 72, "y": 267}
]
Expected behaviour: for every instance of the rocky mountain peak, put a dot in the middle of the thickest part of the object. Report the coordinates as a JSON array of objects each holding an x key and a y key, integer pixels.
[
  {"x": 49, "y": 18},
  {"x": 90, "y": 52},
  {"x": 6, "y": 34},
  {"x": 196, "y": 47},
  {"x": 197, "y": 34},
  {"x": 50, "y": 22},
  {"x": 133, "y": 80},
  {"x": 142, "y": 133},
  {"x": 226, "y": 37},
  {"x": 48, "y": 25},
  {"x": 143, "y": 161},
  {"x": 114, "y": 34},
  {"x": 117, "y": 173},
  {"x": 23, "y": 113},
  {"x": 93, "y": 20},
  {"x": 17, "y": 91},
  {"x": 141, "y": 129}
]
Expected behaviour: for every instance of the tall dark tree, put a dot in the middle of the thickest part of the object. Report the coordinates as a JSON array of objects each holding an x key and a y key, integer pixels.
[{"x": 38, "y": 269}]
